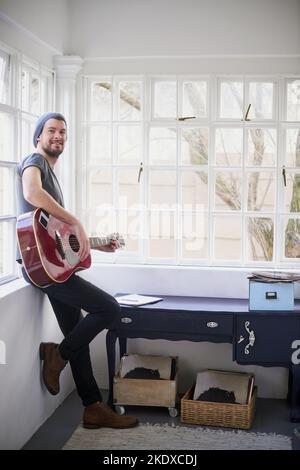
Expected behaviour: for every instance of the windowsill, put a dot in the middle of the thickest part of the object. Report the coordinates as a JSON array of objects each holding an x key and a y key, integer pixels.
[
  {"x": 230, "y": 274},
  {"x": 190, "y": 267},
  {"x": 12, "y": 287}
]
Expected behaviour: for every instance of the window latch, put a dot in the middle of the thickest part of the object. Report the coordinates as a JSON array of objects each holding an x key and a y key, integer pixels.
[
  {"x": 284, "y": 175},
  {"x": 140, "y": 171},
  {"x": 247, "y": 113},
  {"x": 184, "y": 118}
]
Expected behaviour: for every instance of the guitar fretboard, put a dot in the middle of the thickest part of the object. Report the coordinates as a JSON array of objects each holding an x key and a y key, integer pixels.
[{"x": 95, "y": 242}]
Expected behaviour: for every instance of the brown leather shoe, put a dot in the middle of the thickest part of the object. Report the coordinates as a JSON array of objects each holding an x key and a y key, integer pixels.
[
  {"x": 100, "y": 415},
  {"x": 52, "y": 367}
]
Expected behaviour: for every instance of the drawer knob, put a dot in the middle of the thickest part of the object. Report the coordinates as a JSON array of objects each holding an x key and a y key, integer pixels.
[
  {"x": 126, "y": 320},
  {"x": 212, "y": 324}
]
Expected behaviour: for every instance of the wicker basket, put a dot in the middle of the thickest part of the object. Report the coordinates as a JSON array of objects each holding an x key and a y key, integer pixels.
[{"x": 228, "y": 415}]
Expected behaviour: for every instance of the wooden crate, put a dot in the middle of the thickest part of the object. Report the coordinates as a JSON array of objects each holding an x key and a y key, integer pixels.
[
  {"x": 232, "y": 415},
  {"x": 145, "y": 392}
]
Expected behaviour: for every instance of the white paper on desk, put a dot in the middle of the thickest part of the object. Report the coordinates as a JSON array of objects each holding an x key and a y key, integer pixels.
[{"x": 137, "y": 300}]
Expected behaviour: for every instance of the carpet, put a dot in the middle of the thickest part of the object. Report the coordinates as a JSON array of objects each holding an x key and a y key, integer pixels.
[{"x": 167, "y": 437}]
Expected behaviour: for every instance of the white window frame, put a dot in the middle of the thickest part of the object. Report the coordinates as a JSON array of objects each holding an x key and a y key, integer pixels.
[
  {"x": 278, "y": 122},
  {"x": 14, "y": 107}
]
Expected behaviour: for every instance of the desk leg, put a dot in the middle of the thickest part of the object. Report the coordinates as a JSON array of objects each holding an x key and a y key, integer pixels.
[
  {"x": 111, "y": 338},
  {"x": 123, "y": 346},
  {"x": 294, "y": 393}
]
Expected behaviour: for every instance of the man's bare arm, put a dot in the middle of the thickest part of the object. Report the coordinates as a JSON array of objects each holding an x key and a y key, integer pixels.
[{"x": 35, "y": 194}]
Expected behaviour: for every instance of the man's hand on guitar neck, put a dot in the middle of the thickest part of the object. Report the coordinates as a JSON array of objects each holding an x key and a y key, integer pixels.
[{"x": 110, "y": 247}]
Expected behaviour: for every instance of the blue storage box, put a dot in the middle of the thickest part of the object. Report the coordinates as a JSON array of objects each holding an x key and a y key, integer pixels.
[{"x": 272, "y": 296}]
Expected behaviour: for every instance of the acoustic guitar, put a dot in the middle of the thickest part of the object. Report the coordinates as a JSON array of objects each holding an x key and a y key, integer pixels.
[{"x": 49, "y": 248}]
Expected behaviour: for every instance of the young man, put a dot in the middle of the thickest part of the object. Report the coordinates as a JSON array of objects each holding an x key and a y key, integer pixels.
[{"x": 37, "y": 186}]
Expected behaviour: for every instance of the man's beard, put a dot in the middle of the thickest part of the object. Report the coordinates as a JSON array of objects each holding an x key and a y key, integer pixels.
[{"x": 52, "y": 153}]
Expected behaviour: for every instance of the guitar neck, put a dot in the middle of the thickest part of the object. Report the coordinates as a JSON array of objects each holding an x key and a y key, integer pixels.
[{"x": 96, "y": 242}]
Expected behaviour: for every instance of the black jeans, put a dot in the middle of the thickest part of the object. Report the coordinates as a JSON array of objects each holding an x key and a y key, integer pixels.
[{"x": 67, "y": 300}]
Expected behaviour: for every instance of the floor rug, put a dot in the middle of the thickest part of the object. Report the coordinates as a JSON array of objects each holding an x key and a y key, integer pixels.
[{"x": 166, "y": 437}]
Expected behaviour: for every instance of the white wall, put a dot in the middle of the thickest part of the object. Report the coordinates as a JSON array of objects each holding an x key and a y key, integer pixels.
[
  {"x": 178, "y": 36},
  {"x": 193, "y": 65},
  {"x": 47, "y": 21},
  {"x": 184, "y": 27},
  {"x": 26, "y": 319},
  {"x": 116, "y": 28}
]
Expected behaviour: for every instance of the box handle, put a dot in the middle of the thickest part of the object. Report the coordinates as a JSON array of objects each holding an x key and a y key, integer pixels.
[{"x": 271, "y": 295}]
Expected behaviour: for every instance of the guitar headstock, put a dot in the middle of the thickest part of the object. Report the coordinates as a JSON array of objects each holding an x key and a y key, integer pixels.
[{"x": 117, "y": 236}]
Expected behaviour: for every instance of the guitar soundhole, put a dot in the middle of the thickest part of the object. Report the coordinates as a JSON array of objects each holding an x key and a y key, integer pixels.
[{"x": 74, "y": 243}]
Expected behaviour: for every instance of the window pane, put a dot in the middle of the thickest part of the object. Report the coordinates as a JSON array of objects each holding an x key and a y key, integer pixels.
[
  {"x": 292, "y": 192},
  {"x": 194, "y": 99},
  {"x": 165, "y": 99},
  {"x": 47, "y": 82},
  {"x": 292, "y": 238},
  {"x": 261, "y": 99},
  {"x": 194, "y": 190},
  {"x": 28, "y": 126},
  {"x": 261, "y": 191},
  {"x": 130, "y": 96},
  {"x": 293, "y": 101},
  {"x": 229, "y": 146},
  {"x": 227, "y": 238},
  {"x": 292, "y": 156},
  {"x": 194, "y": 146},
  {"x": 6, "y": 185},
  {"x": 161, "y": 232},
  {"x": 129, "y": 225},
  {"x": 163, "y": 146},
  {"x": 6, "y": 248},
  {"x": 4, "y": 77},
  {"x": 44, "y": 95},
  {"x": 100, "y": 190},
  {"x": 194, "y": 235},
  {"x": 162, "y": 189},
  {"x": 99, "y": 150},
  {"x": 101, "y": 101},
  {"x": 260, "y": 239},
  {"x": 6, "y": 137},
  {"x": 101, "y": 224},
  {"x": 25, "y": 90},
  {"x": 228, "y": 190},
  {"x": 35, "y": 95},
  {"x": 130, "y": 144},
  {"x": 128, "y": 188},
  {"x": 231, "y": 100},
  {"x": 262, "y": 147}
]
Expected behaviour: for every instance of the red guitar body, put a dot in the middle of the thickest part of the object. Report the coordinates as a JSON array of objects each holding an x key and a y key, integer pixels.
[{"x": 49, "y": 248}]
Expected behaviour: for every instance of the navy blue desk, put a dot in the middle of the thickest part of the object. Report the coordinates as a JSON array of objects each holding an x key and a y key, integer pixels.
[{"x": 260, "y": 338}]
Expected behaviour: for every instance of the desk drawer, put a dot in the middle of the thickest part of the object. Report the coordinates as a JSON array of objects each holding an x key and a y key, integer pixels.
[
  {"x": 196, "y": 323},
  {"x": 265, "y": 338}
]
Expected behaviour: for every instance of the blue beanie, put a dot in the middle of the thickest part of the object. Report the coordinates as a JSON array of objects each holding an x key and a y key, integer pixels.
[{"x": 42, "y": 121}]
